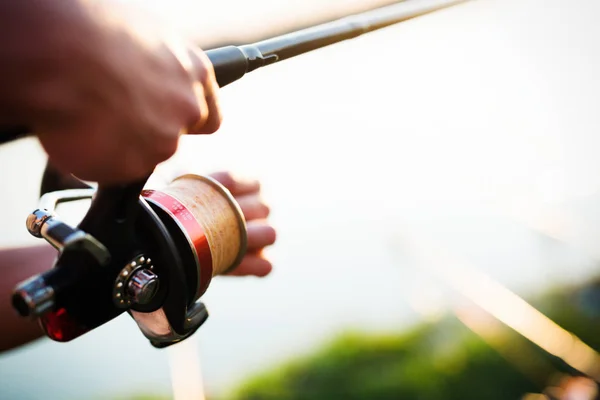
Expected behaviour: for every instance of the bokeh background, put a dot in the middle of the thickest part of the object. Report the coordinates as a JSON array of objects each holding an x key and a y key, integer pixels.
[{"x": 420, "y": 177}]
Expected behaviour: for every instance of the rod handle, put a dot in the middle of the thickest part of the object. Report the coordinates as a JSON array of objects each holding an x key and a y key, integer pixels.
[{"x": 230, "y": 64}]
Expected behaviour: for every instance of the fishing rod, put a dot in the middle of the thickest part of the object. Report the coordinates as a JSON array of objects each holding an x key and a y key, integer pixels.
[
  {"x": 233, "y": 62},
  {"x": 153, "y": 253}
]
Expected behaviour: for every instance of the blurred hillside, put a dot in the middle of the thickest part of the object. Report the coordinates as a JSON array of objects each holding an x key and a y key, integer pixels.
[
  {"x": 438, "y": 361},
  {"x": 442, "y": 360}
]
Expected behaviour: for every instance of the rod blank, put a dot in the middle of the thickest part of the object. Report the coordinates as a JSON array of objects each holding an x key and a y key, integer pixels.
[{"x": 233, "y": 62}]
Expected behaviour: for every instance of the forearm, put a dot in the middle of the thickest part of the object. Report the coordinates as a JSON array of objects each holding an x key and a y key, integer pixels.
[{"x": 16, "y": 265}]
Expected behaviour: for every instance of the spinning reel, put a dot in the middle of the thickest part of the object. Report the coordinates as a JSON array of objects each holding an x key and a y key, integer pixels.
[{"x": 146, "y": 252}]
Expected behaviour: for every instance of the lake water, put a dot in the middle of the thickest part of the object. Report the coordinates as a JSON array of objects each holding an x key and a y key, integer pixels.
[{"x": 477, "y": 127}]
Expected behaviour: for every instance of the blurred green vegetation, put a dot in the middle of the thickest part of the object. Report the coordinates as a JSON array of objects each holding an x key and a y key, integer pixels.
[
  {"x": 434, "y": 361},
  {"x": 441, "y": 360}
]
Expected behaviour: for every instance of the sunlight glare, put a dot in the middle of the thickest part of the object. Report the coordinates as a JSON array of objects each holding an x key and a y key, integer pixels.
[{"x": 506, "y": 306}]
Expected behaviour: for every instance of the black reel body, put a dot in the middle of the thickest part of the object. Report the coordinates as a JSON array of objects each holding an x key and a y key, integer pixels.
[{"x": 122, "y": 257}]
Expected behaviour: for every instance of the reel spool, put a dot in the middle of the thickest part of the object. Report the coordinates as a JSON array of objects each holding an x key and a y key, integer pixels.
[{"x": 151, "y": 253}]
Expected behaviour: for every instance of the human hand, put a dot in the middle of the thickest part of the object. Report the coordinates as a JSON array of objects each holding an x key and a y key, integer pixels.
[
  {"x": 107, "y": 97},
  {"x": 261, "y": 233}
]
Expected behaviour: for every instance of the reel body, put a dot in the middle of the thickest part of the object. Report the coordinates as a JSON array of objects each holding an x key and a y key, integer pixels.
[{"x": 149, "y": 253}]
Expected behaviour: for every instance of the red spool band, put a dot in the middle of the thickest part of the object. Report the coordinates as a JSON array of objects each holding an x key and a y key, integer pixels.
[{"x": 192, "y": 230}]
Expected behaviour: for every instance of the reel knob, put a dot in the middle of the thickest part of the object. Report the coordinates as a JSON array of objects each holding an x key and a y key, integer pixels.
[
  {"x": 142, "y": 286},
  {"x": 33, "y": 297},
  {"x": 36, "y": 220},
  {"x": 136, "y": 283}
]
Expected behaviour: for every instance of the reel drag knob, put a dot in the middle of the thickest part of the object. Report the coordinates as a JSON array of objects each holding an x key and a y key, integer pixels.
[
  {"x": 142, "y": 286},
  {"x": 136, "y": 283}
]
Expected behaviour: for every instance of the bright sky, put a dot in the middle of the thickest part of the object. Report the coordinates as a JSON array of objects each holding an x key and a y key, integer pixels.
[{"x": 225, "y": 20}]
